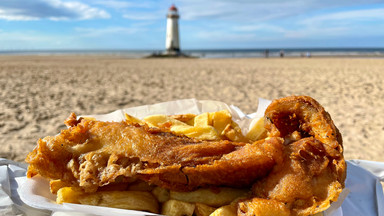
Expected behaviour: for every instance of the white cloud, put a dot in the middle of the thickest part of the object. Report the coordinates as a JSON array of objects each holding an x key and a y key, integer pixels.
[
  {"x": 49, "y": 9},
  {"x": 27, "y": 39},
  {"x": 115, "y": 4},
  {"x": 144, "y": 16},
  {"x": 340, "y": 24},
  {"x": 246, "y": 11},
  {"x": 122, "y": 4},
  {"x": 257, "y": 10},
  {"x": 97, "y": 32},
  {"x": 348, "y": 16},
  {"x": 269, "y": 32},
  {"x": 327, "y": 25},
  {"x": 13, "y": 15},
  {"x": 259, "y": 27},
  {"x": 324, "y": 32},
  {"x": 220, "y": 36},
  {"x": 138, "y": 10}
]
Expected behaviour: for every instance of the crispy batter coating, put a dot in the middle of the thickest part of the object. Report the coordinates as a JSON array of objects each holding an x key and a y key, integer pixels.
[
  {"x": 298, "y": 170},
  {"x": 312, "y": 172},
  {"x": 93, "y": 154}
]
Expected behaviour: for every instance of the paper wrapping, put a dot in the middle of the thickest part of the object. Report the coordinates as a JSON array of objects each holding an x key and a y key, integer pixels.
[{"x": 363, "y": 194}]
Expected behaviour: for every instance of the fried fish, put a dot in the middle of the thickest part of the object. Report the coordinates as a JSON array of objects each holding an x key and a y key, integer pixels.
[{"x": 299, "y": 169}]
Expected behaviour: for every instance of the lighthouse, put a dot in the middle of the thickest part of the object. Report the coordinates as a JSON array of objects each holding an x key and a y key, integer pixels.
[{"x": 172, "y": 42}]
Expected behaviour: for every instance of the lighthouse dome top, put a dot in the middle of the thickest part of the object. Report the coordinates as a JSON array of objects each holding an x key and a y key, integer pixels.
[
  {"x": 173, "y": 8},
  {"x": 172, "y": 12}
]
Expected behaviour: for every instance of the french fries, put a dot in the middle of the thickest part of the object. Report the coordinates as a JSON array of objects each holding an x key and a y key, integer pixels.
[
  {"x": 55, "y": 185},
  {"x": 142, "y": 196},
  {"x": 215, "y": 198},
  {"x": 257, "y": 130},
  {"x": 273, "y": 207},
  {"x": 133, "y": 200},
  {"x": 177, "y": 208},
  {"x": 203, "y": 210},
  {"x": 131, "y": 119},
  {"x": 228, "y": 210},
  {"x": 203, "y": 132},
  {"x": 161, "y": 194},
  {"x": 69, "y": 195},
  {"x": 206, "y": 126},
  {"x": 220, "y": 120},
  {"x": 186, "y": 118}
]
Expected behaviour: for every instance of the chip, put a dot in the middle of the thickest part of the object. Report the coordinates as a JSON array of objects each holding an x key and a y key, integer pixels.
[
  {"x": 213, "y": 197},
  {"x": 257, "y": 130},
  {"x": 133, "y": 200},
  {"x": 177, "y": 208},
  {"x": 203, "y": 210}
]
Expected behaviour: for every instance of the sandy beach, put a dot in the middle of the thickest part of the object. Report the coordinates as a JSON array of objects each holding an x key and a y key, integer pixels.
[{"x": 39, "y": 92}]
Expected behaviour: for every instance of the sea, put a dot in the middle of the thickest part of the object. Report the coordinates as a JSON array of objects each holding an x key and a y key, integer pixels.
[{"x": 219, "y": 53}]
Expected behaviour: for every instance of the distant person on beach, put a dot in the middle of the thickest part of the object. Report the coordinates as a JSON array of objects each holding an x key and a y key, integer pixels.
[
  {"x": 308, "y": 55},
  {"x": 266, "y": 53},
  {"x": 281, "y": 53}
]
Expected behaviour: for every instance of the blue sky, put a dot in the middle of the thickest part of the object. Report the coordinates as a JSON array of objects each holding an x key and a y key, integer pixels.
[{"x": 204, "y": 24}]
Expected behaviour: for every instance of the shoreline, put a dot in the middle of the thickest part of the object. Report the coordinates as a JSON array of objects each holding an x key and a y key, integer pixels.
[
  {"x": 215, "y": 53},
  {"x": 113, "y": 56}
]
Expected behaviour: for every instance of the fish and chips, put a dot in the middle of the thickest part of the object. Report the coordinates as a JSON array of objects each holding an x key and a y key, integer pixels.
[{"x": 290, "y": 163}]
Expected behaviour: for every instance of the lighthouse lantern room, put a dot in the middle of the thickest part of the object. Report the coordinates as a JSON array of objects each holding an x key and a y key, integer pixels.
[{"x": 172, "y": 43}]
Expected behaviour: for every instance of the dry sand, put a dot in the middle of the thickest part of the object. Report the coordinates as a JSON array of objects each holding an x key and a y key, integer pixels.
[{"x": 39, "y": 92}]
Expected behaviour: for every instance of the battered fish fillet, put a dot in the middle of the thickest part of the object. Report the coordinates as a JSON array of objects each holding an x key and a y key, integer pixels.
[
  {"x": 298, "y": 170},
  {"x": 91, "y": 154},
  {"x": 312, "y": 172}
]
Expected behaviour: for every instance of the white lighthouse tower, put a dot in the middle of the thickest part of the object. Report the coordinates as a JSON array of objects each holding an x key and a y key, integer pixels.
[{"x": 172, "y": 42}]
